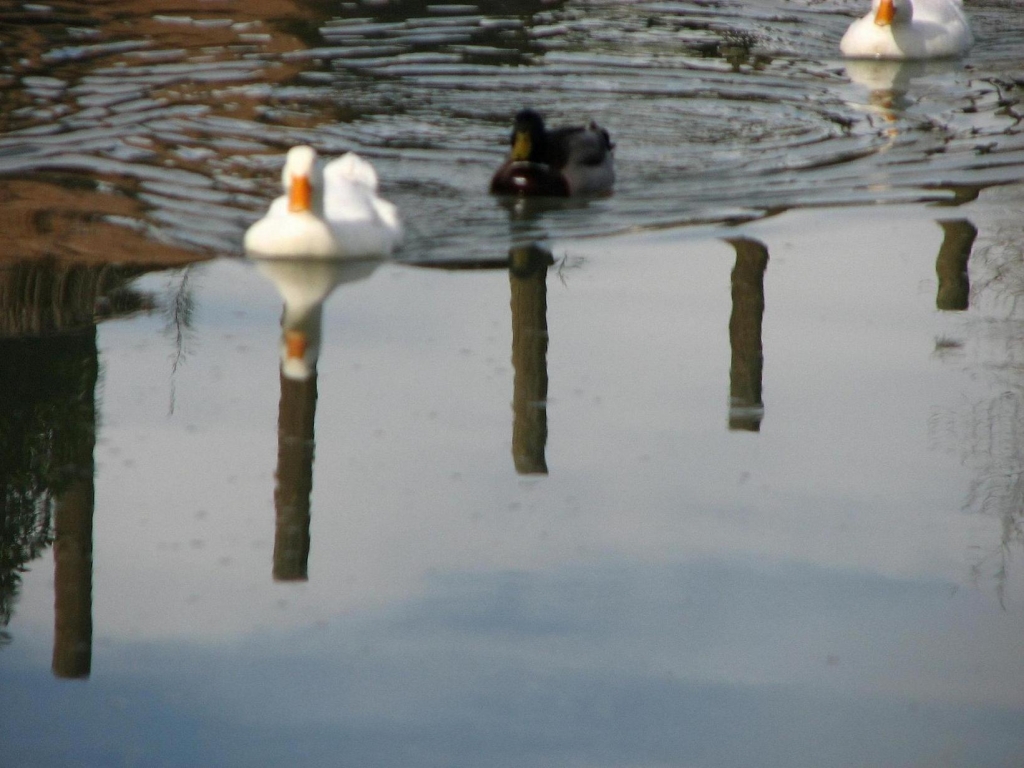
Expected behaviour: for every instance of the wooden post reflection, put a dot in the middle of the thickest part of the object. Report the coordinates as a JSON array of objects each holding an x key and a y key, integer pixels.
[
  {"x": 528, "y": 269},
  {"x": 745, "y": 407},
  {"x": 72, "y": 555},
  {"x": 73, "y": 514},
  {"x": 295, "y": 447},
  {"x": 951, "y": 265}
]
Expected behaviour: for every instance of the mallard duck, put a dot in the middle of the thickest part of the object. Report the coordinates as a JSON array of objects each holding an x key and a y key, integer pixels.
[
  {"x": 562, "y": 162},
  {"x": 329, "y": 212},
  {"x": 909, "y": 29}
]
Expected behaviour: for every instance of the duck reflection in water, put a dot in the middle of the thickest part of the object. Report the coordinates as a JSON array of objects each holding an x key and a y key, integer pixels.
[
  {"x": 890, "y": 83},
  {"x": 304, "y": 284}
]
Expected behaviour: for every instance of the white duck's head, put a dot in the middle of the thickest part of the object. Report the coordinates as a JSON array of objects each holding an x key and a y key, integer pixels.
[
  {"x": 294, "y": 226},
  {"x": 302, "y": 179}
]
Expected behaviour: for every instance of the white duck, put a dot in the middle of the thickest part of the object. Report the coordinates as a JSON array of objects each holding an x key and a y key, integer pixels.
[
  {"x": 327, "y": 212},
  {"x": 909, "y": 29}
]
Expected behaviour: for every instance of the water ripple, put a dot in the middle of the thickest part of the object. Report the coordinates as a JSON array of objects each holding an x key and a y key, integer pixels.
[{"x": 722, "y": 111}]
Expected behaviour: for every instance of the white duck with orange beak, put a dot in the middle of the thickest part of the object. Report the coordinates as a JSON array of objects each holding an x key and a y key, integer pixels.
[
  {"x": 328, "y": 211},
  {"x": 909, "y": 30}
]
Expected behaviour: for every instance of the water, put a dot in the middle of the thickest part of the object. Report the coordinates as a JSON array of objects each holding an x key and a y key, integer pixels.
[
  {"x": 720, "y": 470},
  {"x": 723, "y": 112}
]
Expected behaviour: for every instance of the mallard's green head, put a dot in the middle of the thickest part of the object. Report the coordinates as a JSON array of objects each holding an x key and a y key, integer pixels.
[{"x": 527, "y": 135}]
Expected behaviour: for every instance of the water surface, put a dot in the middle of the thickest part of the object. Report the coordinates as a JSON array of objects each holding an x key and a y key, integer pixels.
[
  {"x": 721, "y": 470},
  {"x": 724, "y": 111}
]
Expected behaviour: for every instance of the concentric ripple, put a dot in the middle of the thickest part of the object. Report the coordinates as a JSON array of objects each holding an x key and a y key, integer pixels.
[{"x": 722, "y": 111}]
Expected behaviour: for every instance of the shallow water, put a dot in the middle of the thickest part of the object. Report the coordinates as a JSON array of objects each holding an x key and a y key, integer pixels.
[{"x": 724, "y": 469}]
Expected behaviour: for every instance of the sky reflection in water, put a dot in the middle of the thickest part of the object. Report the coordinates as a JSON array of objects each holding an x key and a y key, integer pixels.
[{"x": 669, "y": 578}]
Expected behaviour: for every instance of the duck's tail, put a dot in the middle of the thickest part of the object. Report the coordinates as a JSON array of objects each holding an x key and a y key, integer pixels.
[
  {"x": 388, "y": 213},
  {"x": 352, "y": 167}
]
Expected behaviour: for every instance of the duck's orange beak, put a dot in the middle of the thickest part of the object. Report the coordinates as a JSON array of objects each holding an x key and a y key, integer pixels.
[
  {"x": 885, "y": 13},
  {"x": 300, "y": 194},
  {"x": 295, "y": 345}
]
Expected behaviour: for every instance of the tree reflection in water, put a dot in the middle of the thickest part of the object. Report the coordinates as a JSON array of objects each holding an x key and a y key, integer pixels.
[
  {"x": 988, "y": 434},
  {"x": 49, "y": 370}
]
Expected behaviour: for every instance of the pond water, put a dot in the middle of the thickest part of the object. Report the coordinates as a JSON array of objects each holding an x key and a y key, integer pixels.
[{"x": 724, "y": 469}]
